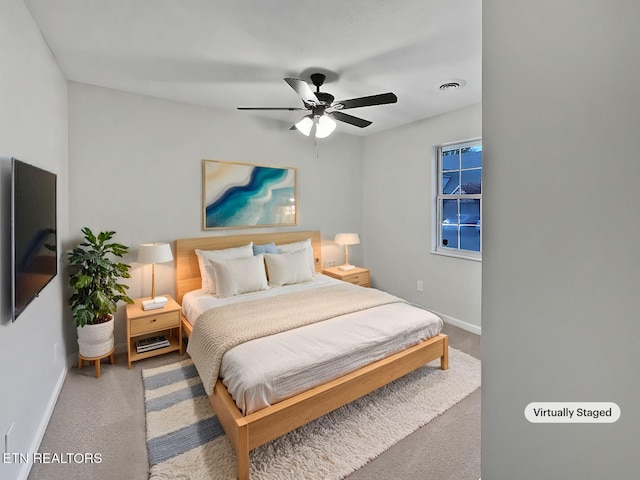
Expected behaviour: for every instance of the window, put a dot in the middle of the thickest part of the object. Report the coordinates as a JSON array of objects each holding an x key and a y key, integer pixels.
[{"x": 459, "y": 199}]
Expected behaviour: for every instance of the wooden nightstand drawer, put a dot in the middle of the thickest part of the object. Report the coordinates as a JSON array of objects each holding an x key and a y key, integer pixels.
[
  {"x": 361, "y": 279},
  {"x": 357, "y": 275},
  {"x": 153, "y": 322}
]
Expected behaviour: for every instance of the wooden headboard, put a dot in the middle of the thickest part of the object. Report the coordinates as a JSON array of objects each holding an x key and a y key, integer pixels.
[{"x": 188, "y": 270}]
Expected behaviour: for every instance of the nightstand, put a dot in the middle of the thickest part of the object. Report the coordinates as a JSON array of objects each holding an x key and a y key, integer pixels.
[
  {"x": 357, "y": 275},
  {"x": 150, "y": 323}
]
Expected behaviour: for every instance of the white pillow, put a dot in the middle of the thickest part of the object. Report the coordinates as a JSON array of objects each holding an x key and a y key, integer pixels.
[
  {"x": 240, "y": 275},
  {"x": 304, "y": 245},
  {"x": 288, "y": 268},
  {"x": 292, "y": 247},
  {"x": 206, "y": 271}
]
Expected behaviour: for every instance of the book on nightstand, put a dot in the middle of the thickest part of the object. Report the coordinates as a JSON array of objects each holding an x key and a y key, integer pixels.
[{"x": 152, "y": 343}]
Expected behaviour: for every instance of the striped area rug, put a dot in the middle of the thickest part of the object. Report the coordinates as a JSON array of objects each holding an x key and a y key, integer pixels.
[{"x": 185, "y": 439}]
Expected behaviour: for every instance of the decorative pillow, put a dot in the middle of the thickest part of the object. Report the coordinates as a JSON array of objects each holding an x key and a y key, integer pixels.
[
  {"x": 206, "y": 272},
  {"x": 288, "y": 268},
  {"x": 266, "y": 248},
  {"x": 240, "y": 275},
  {"x": 292, "y": 247},
  {"x": 304, "y": 245}
]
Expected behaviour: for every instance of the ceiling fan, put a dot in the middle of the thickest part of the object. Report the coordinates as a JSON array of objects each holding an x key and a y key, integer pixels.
[{"x": 324, "y": 110}]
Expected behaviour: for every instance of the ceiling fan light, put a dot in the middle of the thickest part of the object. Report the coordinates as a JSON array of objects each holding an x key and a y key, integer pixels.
[
  {"x": 304, "y": 125},
  {"x": 325, "y": 126}
]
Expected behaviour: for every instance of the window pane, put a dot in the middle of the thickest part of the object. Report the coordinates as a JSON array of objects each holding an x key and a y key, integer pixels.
[
  {"x": 469, "y": 211},
  {"x": 450, "y": 212},
  {"x": 471, "y": 181},
  {"x": 450, "y": 182},
  {"x": 451, "y": 160},
  {"x": 472, "y": 157},
  {"x": 449, "y": 227},
  {"x": 449, "y": 236},
  {"x": 470, "y": 238}
]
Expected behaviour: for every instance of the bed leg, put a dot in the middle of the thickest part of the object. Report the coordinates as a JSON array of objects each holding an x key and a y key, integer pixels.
[
  {"x": 242, "y": 453},
  {"x": 444, "y": 360}
]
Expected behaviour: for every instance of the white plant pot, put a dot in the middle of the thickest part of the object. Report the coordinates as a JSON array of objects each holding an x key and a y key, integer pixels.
[{"x": 96, "y": 340}]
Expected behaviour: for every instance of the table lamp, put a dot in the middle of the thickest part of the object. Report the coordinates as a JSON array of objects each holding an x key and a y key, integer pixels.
[
  {"x": 347, "y": 239},
  {"x": 154, "y": 253}
]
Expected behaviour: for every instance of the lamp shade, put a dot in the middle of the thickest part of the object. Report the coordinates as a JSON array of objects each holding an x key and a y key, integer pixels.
[
  {"x": 321, "y": 125},
  {"x": 325, "y": 126},
  {"x": 304, "y": 125},
  {"x": 155, "y": 253},
  {"x": 347, "y": 239}
]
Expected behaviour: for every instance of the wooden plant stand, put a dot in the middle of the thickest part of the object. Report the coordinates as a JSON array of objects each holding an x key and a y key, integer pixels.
[{"x": 96, "y": 360}]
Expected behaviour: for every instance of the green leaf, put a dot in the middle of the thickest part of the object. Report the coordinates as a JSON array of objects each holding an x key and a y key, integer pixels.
[
  {"x": 104, "y": 236},
  {"x": 83, "y": 281},
  {"x": 83, "y": 316},
  {"x": 88, "y": 234}
]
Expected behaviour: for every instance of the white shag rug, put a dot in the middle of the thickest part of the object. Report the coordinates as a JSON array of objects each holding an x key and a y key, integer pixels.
[{"x": 185, "y": 440}]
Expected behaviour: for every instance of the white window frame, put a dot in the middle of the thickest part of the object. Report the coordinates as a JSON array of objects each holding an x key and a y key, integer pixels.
[{"x": 437, "y": 247}]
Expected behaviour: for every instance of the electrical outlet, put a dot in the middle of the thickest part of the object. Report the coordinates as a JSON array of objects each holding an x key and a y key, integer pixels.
[{"x": 420, "y": 286}]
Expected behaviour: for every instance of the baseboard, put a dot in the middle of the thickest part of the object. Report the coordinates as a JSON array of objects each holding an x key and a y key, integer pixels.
[
  {"x": 469, "y": 327},
  {"x": 44, "y": 422}
]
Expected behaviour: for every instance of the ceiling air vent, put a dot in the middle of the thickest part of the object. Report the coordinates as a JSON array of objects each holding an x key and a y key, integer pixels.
[{"x": 449, "y": 86}]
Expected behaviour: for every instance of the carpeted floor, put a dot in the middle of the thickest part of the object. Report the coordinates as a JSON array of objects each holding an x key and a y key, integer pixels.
[{"x": 106, "y": 416}]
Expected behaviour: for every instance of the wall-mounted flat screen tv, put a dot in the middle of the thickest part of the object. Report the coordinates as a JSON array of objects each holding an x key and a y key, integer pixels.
[{"x": 33, "y": 234}]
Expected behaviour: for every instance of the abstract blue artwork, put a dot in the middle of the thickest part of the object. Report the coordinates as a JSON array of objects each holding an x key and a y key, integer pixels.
[{"x": 243, "y": 195}]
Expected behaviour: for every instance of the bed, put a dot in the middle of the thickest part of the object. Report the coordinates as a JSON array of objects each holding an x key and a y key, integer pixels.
[{"x": 249, "y": 426}]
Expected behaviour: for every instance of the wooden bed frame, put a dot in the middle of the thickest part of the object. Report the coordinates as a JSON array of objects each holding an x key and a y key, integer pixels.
[{"x": 248, "y": 432}]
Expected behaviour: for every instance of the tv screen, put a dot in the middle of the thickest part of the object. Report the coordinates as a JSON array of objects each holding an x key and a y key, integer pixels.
[{"x": 33, "y": 238}]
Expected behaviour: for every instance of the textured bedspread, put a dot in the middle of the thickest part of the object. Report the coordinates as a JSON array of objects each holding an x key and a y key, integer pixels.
[{"x": 222, "y": 328}]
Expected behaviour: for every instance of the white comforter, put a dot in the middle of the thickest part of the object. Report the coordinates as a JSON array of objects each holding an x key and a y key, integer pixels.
[{"x": 262, "y": 372}]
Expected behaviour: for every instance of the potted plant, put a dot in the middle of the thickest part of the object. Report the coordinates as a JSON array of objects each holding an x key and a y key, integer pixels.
[{"x": 96, "y": 290}]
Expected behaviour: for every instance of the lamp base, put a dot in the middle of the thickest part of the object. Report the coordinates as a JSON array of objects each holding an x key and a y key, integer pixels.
[{"x": 346, "y": 266}]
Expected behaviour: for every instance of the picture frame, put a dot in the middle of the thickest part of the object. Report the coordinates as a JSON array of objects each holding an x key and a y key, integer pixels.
[{"x": 241, "y": 195}]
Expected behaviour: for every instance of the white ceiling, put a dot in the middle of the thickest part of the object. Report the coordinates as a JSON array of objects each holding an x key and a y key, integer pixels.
[{"x": 232, "y": 53}]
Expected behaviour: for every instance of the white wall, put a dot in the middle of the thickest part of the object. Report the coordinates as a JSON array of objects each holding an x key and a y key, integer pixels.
[
  {"x": 561, "y": 264},
  {"x": 33, "y": 128},
  {"x": 398, "y": 223},
  {"x": 135, "y": 167}
]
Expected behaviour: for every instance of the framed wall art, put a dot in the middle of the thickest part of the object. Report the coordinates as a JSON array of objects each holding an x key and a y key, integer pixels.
[{"x": 240, "y": 195}]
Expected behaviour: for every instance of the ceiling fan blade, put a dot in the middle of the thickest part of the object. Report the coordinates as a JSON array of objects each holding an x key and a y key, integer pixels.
[
  {"x": 380, "y": 99},
  {"x": 345, "y": 117},
  {"x": 291, "y": 109},
  {"x": 303, "y": 90}
]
